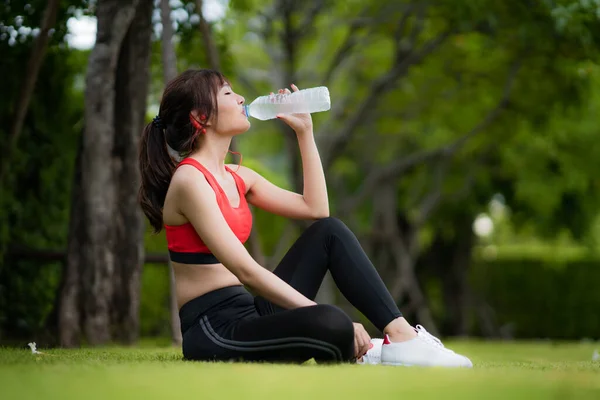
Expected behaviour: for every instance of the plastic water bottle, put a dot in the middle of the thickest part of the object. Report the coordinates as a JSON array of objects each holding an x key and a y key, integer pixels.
[{"x": 303, "y": 101}]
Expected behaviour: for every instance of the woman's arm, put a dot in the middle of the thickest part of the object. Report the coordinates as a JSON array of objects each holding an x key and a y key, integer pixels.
[
  {"x": 315, "y": 187},
  {"x": 196, "y": 200},
  {"x": 313, "y": 203}
]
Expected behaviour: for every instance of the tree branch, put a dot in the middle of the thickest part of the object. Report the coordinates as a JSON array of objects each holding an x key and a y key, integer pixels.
[
  {"x": 350, "y": 42},
  {"x": 401, "y": 166},
  {"x": 495, "y": 112},
  {"x": 342, "y": 51},
  {"x": 340, "y": 139},
  {"x": 399, "y": 31},
  {"x": 379, "y": 87},
  {"x": 378, "y": 175},
  {"x": 435, "y": 195},
  {"x": 309, "y": 18},
  {"x": 405, "y": 46},
  {"x": 36, "y": 59},
  {"x": 405, "y": 60}
]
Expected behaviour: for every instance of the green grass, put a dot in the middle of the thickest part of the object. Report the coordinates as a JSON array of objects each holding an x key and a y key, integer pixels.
[{"x": 536, "y": 370}]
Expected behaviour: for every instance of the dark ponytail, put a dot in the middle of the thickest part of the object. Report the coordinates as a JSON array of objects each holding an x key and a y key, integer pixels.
[
  {"x": 193, "y": 90},
  {"x": 157, "y": 168}
]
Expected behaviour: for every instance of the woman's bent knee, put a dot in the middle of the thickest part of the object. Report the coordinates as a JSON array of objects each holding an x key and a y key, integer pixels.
[
  {"x": 336, "y": 328},
  {"x": 333, "y": 316},
  {"x": 329, "y": 224}
]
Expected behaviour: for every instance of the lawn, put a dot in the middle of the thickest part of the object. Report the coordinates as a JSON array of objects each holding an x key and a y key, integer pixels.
[{"x": 527, "y": 370}]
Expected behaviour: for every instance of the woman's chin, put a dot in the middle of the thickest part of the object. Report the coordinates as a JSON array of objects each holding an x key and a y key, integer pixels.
[
  {"x": 236, "y": 130},
  {"x": 244, "y": 129}
]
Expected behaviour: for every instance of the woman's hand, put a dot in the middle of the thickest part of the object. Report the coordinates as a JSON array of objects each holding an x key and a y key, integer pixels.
[
  {"x": 362, "y": 340},
  {"x": 300, "y": 123}
]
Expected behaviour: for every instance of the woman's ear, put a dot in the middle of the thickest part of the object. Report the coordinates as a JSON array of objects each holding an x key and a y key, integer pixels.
[{"x": 201, "y": 118}]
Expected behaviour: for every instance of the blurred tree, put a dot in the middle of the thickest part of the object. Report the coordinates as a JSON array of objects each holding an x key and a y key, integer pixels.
[
  {"x": 169, "y": 67},
  {"x": 206, "y": 31},
  {"x": 436, "y": 108},
  {"x": 416, "y": 86},
  {"x": 38, "y": 52},
  {"x": 106, "y": 246},
  {"x": 34, "y": 194}
]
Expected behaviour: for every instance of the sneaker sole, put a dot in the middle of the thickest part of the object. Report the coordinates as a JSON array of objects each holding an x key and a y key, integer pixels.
[
  {"x": 391, "y": 364},
  {"x": 397, "y": 364}
]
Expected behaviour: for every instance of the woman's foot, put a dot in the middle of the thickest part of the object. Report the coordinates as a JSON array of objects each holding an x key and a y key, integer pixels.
[
  {"x": 399, "y": 330},
  {"x": 423, "y": 350}
]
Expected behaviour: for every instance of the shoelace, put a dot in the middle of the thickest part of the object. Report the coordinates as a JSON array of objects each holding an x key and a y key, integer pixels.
[{"x": 429, "y": 338}]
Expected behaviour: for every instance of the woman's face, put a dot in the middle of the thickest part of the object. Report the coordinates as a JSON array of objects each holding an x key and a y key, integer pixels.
[{"x": 231, "y": 119}]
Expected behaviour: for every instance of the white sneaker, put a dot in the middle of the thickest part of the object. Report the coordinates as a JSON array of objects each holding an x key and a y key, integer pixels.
[
  {"x": 373, "y": 355},
  {"x": 425, "y": 350}
]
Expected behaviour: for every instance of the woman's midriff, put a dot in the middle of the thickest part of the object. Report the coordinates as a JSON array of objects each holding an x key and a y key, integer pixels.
[{"x": 192, "y": 280}]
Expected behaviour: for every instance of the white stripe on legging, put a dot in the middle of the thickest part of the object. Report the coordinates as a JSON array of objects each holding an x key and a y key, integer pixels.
[{"x": 269, "y": 344}]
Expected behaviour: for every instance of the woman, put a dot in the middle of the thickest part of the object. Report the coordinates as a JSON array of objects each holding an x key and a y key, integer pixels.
[{"x": 203, "y": 206}]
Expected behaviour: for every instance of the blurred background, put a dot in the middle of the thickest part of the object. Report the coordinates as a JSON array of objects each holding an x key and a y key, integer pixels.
[{"x": 462, "y": 149}]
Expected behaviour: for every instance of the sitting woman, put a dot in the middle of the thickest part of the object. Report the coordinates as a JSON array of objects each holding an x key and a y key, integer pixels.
[{"x": 203, "y": 205}]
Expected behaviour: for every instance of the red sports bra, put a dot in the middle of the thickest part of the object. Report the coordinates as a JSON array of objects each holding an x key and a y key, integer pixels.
[{"x": 184, "y": 243}]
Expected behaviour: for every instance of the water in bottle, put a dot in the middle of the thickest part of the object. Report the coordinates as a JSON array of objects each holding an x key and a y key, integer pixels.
[{"x": 303, "y": 101}]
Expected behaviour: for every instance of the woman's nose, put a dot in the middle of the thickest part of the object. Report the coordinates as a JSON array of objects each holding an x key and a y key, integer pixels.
[{"x": 242, "y": 100}]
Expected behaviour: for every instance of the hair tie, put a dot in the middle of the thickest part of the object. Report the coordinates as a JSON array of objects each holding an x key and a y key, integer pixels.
[{"x": 158, "y": 122}]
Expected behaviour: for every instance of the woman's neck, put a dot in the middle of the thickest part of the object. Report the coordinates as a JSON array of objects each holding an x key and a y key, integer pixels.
[{"x": 212, "y": 153}]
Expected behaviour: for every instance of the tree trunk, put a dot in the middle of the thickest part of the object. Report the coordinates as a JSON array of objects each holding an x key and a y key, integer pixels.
[
  {"x": 176, "y": 338},
  {"x": 401, "y": 241},
  {"x": 448, "y": 259},
  {"x": 170, "y": 72},
  {"x": 212, "y": 53},
  {"x": 456, "y": 284},
  {"x": 99, "y": 186},
  {"x": 31, "y": 75},
  {"x": 169, "y": 57},
  {"x": 69, "y": 309},
  {"x": 131, "y": 90}
]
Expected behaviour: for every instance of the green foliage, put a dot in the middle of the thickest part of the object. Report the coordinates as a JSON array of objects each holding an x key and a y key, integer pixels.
[
  {"x": 542, "y": 299},
  {"x": 540, "y": 153},
  {"x": 154, "y": 301},
  {"x": 553, "y": 168},
  {"x": 445, "y": 96},
  {"x": 19, "y": 17},
  {"x": 36, "y": 194},
  {"x": 27, "y": 294},
  {"x": 42, "y": 168}
]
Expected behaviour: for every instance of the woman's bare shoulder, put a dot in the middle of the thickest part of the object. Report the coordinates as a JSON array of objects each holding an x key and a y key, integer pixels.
[{"x": 186, "y": 181}]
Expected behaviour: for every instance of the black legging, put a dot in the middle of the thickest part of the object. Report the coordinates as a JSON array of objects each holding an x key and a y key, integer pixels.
[{"x": 230, "y": 324}]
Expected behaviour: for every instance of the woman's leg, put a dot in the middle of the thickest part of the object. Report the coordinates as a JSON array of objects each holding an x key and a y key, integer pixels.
[
  {"x": 322, "y": 332},
  {"x": 328, "y": 244},
  {"x": 225, "y": 325}
]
